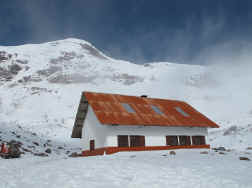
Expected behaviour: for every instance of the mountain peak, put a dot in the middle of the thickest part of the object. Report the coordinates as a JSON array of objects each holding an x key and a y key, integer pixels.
[{"x": 71, "y": 41}]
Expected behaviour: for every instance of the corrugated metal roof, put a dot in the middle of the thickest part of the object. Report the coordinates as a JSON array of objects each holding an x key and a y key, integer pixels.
[{"x": 109, "y": 110}]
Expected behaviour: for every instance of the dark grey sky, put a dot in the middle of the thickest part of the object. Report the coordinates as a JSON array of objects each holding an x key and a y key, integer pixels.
[{"x": 185, "y": 31}]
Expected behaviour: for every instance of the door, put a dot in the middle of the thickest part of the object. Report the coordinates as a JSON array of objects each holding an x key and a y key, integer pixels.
[
  {"x": 92, "y": 145},
  {"x": 137, "y": 141}
]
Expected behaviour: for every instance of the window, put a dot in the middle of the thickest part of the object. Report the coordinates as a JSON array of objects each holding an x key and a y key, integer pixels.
[
  {"x": 92, "y": 145},
  {"x": 156, "y": 109},
  {"x": 128, "y": 108},
  {"x": 198, "y": 140},
  {"x": 171, "y": 140},
  {"x": 130, "y": 141},
  {"x": 184, "y": 140},
  {"x": 136, "y": 141},
  {"x": 123, "y": 141},
  {"x": 182, "y": 111}
]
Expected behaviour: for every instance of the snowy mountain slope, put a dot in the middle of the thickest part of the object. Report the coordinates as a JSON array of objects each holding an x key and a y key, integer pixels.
[
  {"x": 31, "y": 143},
  {"x": 40, "y": 85}
]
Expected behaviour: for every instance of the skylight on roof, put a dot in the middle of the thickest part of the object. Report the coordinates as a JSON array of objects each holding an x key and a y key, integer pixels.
[
  {"x": 156, "y": 109},
  {"x": 182, "y": 112},
  {"x": 128, "y": 108}
]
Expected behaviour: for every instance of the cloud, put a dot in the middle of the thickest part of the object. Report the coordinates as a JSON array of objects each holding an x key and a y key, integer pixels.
[
  {"x": 52, "y": 20},
  {"x": 143, "y": 31},
  {"x": 233, "y": 52}
]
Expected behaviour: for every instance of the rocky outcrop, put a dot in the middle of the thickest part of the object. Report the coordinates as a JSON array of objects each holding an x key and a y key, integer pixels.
[
  {"x": 244, "y": 158},
  {"x": 126, "y": 79},
  {"x": 231, "y": 130},
  {"x": 93, "y": 51},
  {"x": 7, "y": 74}
]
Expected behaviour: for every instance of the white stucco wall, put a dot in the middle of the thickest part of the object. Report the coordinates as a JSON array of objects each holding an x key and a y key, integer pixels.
[
  {"x": 93, "y": 130},
  {"x": 106, "y": 135}
]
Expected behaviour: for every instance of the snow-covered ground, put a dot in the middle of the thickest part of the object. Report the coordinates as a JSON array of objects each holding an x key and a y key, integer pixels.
[
  {"x": 40, "y": 87},
  {"x": 188, "y": 169}
]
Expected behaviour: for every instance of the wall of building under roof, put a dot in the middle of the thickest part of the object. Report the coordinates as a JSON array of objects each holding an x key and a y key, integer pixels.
[
  {"x": 154, "y": 135},
  {"x": 106, "y": 135},
  {"x": 93, "y": 130}
]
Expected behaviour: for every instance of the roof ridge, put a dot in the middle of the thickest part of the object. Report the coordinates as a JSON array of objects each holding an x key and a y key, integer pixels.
[{"x": 124, "y": 95}]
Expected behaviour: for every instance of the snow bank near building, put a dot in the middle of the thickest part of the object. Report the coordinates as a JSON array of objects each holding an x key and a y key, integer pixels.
[{"x": 187, "y": 169}]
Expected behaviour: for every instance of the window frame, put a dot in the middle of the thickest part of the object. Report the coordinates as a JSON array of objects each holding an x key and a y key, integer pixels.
[
  {"x": 171, "y": 137},
  {"x": 156, "y": 109},
  {"x": 185, "y": 138},
  {"x": 137, "y": 141},
  {"x": 198, "y": 140},
  {"x": 128, "y": 107},
  {"x": 181, "y": 111},
  {"x": 121, "y": 142}
]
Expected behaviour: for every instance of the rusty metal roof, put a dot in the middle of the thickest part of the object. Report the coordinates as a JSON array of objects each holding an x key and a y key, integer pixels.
[{"x": 109, "y": 110}]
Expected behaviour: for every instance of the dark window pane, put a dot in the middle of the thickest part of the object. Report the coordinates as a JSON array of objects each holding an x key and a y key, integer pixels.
[
  {"x": 171, "y": 140},
  {"x": 92, "y": 145},
  {"x": 136, "y": 141},
  {"x": 184, "y": 140},
  {"x": 198, "y": 140},
  {"x": 123, "y": 141}
]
